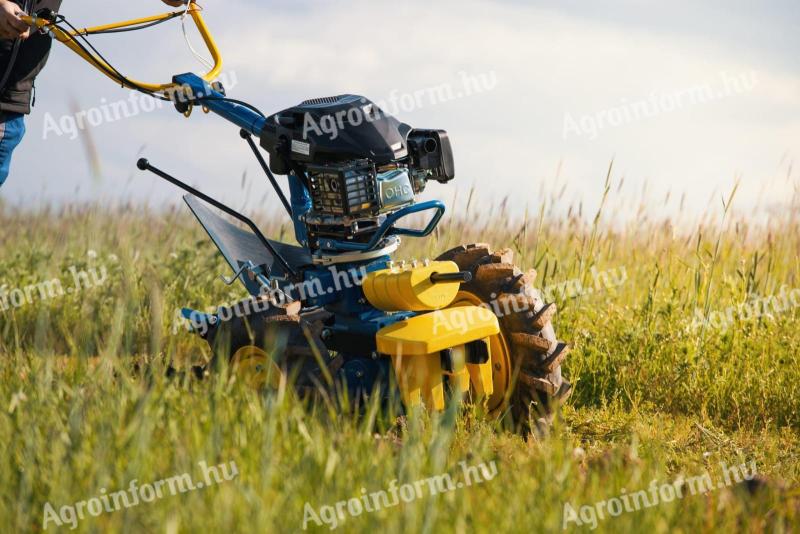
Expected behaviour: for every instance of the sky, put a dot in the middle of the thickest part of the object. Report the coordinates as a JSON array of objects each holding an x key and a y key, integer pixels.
[{"x": 687, "y": 98}]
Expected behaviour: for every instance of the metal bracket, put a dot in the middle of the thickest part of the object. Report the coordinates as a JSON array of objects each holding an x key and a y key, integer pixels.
[
  {"x": 387, "y": 228},
  {"x": 274, "y": 288},
  {"x": 230, "y": 281},
  {"x": 390, "y": 245}
]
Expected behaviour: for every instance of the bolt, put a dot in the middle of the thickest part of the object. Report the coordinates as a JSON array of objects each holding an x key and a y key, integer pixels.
[
  {"x": 374, "y": 355},
  {"x": 426, "y": 262},
  {"x": 359, "y": 374},
  {"x": 326, "y": 333}
]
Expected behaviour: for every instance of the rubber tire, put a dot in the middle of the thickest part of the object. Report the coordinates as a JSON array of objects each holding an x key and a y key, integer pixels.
[{"x": 534, "y": 350}]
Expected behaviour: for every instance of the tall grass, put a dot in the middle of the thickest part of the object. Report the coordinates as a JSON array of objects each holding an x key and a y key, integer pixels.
[{"x": 84, "y": 403}]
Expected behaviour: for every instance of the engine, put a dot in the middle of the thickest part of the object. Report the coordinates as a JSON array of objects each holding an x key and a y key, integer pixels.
[{"x": 357, "y": 163}]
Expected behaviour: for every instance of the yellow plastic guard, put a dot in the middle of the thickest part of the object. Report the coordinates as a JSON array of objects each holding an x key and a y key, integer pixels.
[
  {"x": 415, "y": 346},
  {"x": 410, "y": 288},
  {"x": 480, "y": 374},
  {"x": 438, "y": 330}
]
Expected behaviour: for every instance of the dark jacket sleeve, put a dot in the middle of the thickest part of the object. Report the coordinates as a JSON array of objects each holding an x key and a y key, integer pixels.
[{"x": 31, "y": 58}]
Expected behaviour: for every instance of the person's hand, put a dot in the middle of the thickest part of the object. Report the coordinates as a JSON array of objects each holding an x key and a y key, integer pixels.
[
  {"x": 11, "y": 26},
  {"x": 175, "y": 3}
]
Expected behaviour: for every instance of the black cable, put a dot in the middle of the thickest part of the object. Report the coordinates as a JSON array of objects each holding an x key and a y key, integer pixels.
[
  {"x": 113, "y": 72},
  {"x": 103, "y": 68},
  {"x": 95, "y": 52},
  {"x": 251, "y": 107},
  {"x": 131, "y": 28},
  {"x": 104, "y": 65}
]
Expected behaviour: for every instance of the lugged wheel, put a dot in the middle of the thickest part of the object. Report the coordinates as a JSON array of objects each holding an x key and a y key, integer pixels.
[{"x": 526, "y": 355}]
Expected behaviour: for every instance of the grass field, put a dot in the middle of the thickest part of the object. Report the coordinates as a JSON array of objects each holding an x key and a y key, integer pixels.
[{"x": 660, "y": 396}]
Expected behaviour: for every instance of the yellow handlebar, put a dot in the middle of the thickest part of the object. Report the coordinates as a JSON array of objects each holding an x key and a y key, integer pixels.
[{"x": 68, "y": 38}]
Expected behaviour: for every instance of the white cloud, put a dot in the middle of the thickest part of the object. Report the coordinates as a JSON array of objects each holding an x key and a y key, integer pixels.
[{"x": 547, "y": 63}]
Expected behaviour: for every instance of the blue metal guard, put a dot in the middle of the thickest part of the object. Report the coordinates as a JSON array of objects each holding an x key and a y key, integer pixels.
[{"x": 387, "y": 228}]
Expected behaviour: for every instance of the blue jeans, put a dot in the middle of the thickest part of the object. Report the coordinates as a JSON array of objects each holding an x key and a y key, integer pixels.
[{"x": 12, "y": 128}]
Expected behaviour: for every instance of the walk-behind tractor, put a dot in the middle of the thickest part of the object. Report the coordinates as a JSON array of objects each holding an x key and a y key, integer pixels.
[{"x": 335, "y": 310}]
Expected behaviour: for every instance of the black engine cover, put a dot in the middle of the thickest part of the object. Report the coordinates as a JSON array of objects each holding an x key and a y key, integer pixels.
[{"x": 333, "y": 129}]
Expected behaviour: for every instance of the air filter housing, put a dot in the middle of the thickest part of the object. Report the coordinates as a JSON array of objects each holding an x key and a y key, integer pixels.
[{"x": 348, "y": 189}]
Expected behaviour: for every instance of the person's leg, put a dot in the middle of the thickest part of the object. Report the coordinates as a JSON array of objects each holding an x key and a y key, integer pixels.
[{"x": 12, "y": 129}]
